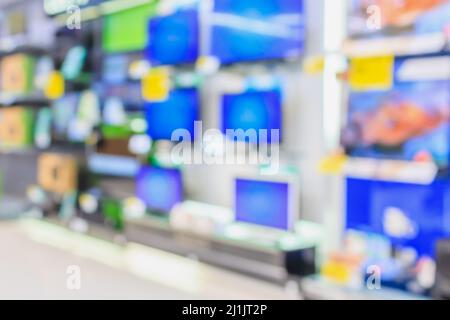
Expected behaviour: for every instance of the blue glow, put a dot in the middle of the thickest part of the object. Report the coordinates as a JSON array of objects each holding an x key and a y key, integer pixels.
[
  {"x": 255, "y": 110},
  {"x": 179, "y": 111},
  {"x": 159, "y": 188},
  {"x": 257, "y": 29},
  {"x": 173, "y": 39},
  {"x": 262, "y": 203},
  {"x": 117, "y": 166},
  {"x": 368, "y": 202}
]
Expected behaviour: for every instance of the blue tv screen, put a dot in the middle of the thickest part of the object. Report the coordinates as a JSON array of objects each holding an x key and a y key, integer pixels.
[
  {"x": 257, "y": 30},
  {"x": 252, "y": 110},
  {"x": 408, "y": 214},
  {"x": 174, "y": 39},
  {"x": 179, "y": 111},
  {"x": 159, "y": 188},
  {"x": 262, "y": 203}
]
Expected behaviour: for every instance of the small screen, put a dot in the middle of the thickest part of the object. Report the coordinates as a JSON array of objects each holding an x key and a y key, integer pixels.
[
  {"x": 256, "y": 110},
  {"x": 179, "y": 111},
  {"x": 257, "y": 30},
  {"x": 262, "y": 203},
  {"x": 159, "y": 188},
  {"x": 173, "y": 39}
]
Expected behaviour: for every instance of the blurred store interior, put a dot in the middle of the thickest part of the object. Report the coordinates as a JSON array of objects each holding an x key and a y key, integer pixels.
[{"x": 224, "y": 149}]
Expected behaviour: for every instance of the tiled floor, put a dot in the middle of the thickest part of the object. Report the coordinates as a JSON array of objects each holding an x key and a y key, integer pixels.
[{"x": 35, "y": 257}]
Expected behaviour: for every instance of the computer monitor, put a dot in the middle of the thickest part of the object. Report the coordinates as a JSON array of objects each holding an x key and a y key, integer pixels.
[
  {"x": 252, "y": 110},
  {"x": 174, "y": 39},
  {"x": 159, "y": 188},
  {"x": 268, "y": 203},
  {"x": 257, "y": 30},
  {"x": 179, "y": 111}
]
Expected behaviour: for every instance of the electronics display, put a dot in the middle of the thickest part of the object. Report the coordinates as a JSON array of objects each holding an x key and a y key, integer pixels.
[
  {"x": 409, "y": 214},
  {"x": 174, "y": 39},
  {"x": 160, "y": 188},
  {"x": 410, "y": 121},
  {"x": 257, "y": 30},
  {"x": 253, "y": 110},
  {"x": 266, "y": 203},
  {"x": 126, "y": 31},
  {"x": 423, "y": 16},
  {"x": 179, "y": 111}
]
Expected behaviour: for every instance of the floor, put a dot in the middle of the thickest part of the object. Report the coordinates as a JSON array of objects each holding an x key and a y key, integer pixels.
[{"x": 43, "y": 261}]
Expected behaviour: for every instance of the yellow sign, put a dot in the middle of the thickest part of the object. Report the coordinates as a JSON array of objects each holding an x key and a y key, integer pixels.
[
  {"x": 333, "y": 164},
  {"x": 156, "y": 85},
  {"x": 314, "y": 65},
  {"x": 55, "y": 86},
  {"x": 370, "y": 73}
]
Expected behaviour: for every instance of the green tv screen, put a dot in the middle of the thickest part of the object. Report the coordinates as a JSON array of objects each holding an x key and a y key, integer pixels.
[{"x": 127, "y": 30}]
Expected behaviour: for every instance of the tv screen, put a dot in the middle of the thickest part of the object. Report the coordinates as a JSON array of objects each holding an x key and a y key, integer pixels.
[
  {"x": 252, "y": 111},
  {"x": 371, "y": 16},
  {"x": 159, "y": 188},
  {"x": 264, "y": 203},
  {"x": 126, "y": 31},
  {"x": 179, "y": 111},
  {"x": 174, "y": 39},
  {"x": 387, "y": 208},
  {"x": 409, "y": 122},
  {"x": 257, "y": 30}
]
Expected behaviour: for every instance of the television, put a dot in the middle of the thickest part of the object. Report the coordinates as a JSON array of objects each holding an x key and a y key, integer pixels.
[
  {"x": 254, "y": 30},
  {"x": 179, "y": 111},
  {"x": 159, "y": 188},
  {"x": 126, "y": 31},
  {"x": 267, "y": 203},
  {"x": 410, "y": 215},
  {"x": 174, "y": 39},
  {"x": 409, "y": 121},
  {"x": 397, "y": 16},
  {"x": 252, "y": 111}
]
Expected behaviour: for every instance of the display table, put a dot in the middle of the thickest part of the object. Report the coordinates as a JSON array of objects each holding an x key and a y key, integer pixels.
[{"x": 264, "y": 261}]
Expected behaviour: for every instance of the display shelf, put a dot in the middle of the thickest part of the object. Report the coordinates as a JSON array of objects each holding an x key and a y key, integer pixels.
[
  {"x": 318, "y": 288},
  {"x": 33, "y": 50},
  {"x": 396, "y": 45},
  {"x": 32, "y": 100},
  {"x": 265, "y": 262},
  {"x": 391, "y": 170},
  {"x": 95, "y": 230}
]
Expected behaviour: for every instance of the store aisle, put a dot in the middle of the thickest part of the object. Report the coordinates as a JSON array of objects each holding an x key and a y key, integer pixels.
[{"x": 37, "y": 256}]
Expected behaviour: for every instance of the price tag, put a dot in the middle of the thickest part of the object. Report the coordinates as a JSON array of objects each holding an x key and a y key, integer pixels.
[
  {"x": 314, "y": 65},
  {"x": 333, "y": 164},
  {"x": 156, "y": 85},
  {"x": 371, "y": 73},
  {"x": 55, "y": 86}
]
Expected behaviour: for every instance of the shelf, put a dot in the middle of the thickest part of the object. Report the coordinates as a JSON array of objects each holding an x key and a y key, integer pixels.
[
  {"x": 270, "y": 264},
  {"x": 396, "y": 45},
  {"x": 391, "y": 170},
  {"x": 32, "y": 100}
]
